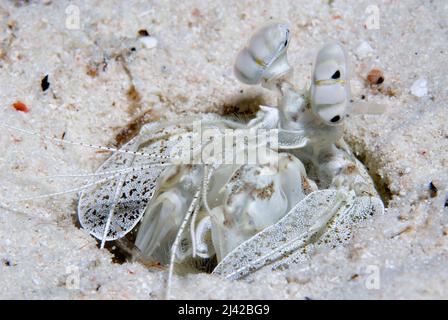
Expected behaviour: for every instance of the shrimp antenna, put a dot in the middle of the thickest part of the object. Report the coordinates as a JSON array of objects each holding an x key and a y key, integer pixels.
[{"x": 81, "y": 144}]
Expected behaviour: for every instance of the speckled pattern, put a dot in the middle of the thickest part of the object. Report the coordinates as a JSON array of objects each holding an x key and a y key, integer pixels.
[{"x": 102, "y": 77}]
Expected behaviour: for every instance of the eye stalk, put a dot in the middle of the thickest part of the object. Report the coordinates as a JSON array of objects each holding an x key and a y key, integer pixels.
[
  {"x": 329, "y": 90},
  {"x": 263, "y": 60}
]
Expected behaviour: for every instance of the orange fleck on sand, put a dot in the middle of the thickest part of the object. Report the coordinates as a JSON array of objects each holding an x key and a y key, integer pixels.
[
  {"x": 16, "y": 140},
  {"x": 196, "y": 13},
  {"x": 336, "y": 17},
  {"x": 20, "y": 106}
]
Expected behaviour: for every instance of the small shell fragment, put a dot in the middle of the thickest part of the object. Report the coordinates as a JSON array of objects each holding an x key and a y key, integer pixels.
[
  {"x": 420, "y": 88},
  {"x": 364, "y": 50},
  {"x": 433, "y": 190},
  {"x": 375, "y": 77},
  {"x": 148, "y": 42}
]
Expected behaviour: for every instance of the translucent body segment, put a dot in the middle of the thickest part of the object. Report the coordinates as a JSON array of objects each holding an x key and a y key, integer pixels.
[{"x": 278, "y": 241}]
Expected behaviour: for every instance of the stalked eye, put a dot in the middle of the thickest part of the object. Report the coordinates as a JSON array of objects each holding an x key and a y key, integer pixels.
[
  {"x": 335, "y": 119},
  {"x": 336, "y": 75}
]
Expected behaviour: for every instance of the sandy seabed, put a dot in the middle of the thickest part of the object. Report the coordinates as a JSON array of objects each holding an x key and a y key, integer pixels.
[{"x": 103, "y": 77}]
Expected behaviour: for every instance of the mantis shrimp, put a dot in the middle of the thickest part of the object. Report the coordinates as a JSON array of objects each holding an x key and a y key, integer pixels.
[
  {"x": 246, "y": 215},
  {"x": 194, "y": 203}
]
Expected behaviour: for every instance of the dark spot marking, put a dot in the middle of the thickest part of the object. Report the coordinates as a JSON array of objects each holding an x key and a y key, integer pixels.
[
  {"x": 335, "y": 119},
  {"x": 143, "y": 33},
  {"x": 433, "y": 190},
  {"x": 336, "y": 75},
  {"x": 44, "y": 84}
]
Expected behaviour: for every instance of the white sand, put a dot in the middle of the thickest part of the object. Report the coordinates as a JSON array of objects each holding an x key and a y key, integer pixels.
[{"x": 190, "y": 69}]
